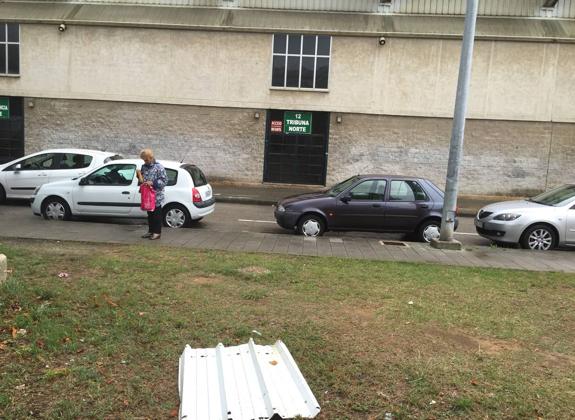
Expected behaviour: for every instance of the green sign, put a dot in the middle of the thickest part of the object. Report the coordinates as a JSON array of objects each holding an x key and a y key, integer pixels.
[
  {"x": 4, "y": 108},
  {"x": 297, "y": 122}
]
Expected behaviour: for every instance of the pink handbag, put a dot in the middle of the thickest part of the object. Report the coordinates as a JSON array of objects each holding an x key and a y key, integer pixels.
[{"x": 148, "y": 198}]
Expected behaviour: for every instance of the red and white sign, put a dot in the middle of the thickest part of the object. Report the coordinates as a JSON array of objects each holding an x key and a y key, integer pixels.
[{"x": 276, "y": 126}]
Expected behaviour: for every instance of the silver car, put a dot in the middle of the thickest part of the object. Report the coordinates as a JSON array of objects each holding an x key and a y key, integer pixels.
[{"x": 540, "y": 223}]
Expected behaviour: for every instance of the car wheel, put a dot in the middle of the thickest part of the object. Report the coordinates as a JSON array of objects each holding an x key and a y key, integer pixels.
[
  {"x": 428, "y": 230},
  {"x": 539, "y": 238},
  {"x": 2, "y": 194},
  {"x": 55, "y": 208},
  {"x": 176, "y": 216},
  {"x": 311, "y": 225}
]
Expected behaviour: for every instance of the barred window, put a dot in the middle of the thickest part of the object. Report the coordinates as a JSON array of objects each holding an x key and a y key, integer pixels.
[
  {"x": 301, "y": 61},
  {"x": 9, "y": 48}
]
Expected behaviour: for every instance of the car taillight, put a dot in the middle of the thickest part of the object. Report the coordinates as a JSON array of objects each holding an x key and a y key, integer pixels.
[{"x": 196, "y": 196}]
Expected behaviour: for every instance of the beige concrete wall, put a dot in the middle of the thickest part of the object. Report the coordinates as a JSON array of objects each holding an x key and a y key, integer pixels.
[
  {"x": 411, "y": 77},
  {"x": 226, "y": 143},
  {"x": 500, "y": 157}
]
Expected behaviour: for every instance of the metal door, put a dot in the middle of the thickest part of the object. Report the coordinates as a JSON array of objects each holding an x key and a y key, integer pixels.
[
  {"x": 296, "y": 158},
  {"x": 12, "y": 132}
]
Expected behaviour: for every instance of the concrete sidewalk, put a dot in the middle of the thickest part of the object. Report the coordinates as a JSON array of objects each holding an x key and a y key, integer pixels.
[
  {"x": 268, "y": 194},
  {"x": 369, "y": 248}
]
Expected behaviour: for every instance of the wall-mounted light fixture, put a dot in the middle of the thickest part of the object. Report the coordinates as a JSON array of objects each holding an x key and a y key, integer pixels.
[
  {"x": 338, "y": 119},
  {"x": 257, "y": 115},
  {"x": 62, "y": 27},
  {"x": 382, "y": 41}
]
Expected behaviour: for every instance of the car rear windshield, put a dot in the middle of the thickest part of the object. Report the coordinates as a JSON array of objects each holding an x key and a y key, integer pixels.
[
  {"x": 555, "y": 196},
  {"x": 197, "y": 175},
  {"x": 113, "y": 157}
]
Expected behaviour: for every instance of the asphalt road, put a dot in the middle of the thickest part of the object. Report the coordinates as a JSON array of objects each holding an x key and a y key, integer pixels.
[{"x": 228, "y": 217}]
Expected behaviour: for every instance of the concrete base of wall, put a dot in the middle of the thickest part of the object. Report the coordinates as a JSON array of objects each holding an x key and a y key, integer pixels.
[{"x": 500, "y": 157}]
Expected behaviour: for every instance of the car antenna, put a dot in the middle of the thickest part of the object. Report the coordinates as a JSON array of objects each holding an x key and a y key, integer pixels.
[{"x": 184, "y": 158}]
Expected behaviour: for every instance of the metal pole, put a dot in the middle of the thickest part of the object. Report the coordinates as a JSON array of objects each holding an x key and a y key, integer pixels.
[{"x": 456, "y": 145}]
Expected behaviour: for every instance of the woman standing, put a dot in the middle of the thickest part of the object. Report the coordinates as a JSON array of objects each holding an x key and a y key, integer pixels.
[{"x": 154, "y": 175}]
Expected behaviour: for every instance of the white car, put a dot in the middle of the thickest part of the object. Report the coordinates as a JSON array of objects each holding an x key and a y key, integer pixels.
[
  {"x": 112, "y": 190},
  {"x": 20, "y": 177}
]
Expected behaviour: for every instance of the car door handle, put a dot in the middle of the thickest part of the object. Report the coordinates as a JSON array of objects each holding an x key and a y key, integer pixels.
[
  {"x": 424, "y": 206},
  {"x": 376, "y": 205},
  {"x": 125, "y": 192}
]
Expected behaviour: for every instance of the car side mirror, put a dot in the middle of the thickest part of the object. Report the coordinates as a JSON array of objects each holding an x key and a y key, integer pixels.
[
  {"x": 83, "y": 181},
  {"x": 346, "y": 198},
  {"x": 18, "y": 167}
]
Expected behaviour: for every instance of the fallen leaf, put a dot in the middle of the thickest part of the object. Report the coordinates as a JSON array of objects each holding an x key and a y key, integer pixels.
[
  {"x": 40, "y": 343},
  {"x": 109, "y": 301},
  {"x": 126, "y": 403},
  {"x": 14, "y": 332},
  {"x": 273, "y": 363},
  {"x": 174, "y": 412},
  {"x": 20, "y": 387},
  {"x": 141, "y": 313},
  {"x": 66, "y": 340},
  {"x": 474, "y": 382}
]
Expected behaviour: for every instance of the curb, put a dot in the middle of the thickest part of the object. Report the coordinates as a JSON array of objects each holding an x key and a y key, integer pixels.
[{"x": 465, "y": 212}]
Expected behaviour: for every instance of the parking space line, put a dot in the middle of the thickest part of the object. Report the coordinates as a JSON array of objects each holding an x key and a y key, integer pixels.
[
  {"x": 256, "y": 221},
  {"x": 465, "y": 233}
]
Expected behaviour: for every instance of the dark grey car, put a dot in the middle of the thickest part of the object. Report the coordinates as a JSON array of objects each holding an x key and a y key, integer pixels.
[{"x": 379, "y": 203}]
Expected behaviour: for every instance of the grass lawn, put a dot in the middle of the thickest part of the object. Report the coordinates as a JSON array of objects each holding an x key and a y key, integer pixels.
[{"x": 414, "y": 340}]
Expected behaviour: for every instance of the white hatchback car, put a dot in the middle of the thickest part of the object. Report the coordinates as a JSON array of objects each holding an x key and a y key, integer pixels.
[
  {"x": 20, "y": 177},
  {"x": 112, "y": 190}
]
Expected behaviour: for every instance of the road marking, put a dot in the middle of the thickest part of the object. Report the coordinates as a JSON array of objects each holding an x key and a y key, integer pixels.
[{"x": 256, "y": 221}]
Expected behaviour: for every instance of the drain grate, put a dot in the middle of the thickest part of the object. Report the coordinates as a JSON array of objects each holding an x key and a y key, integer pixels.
[{"x": 394, "y": 243}]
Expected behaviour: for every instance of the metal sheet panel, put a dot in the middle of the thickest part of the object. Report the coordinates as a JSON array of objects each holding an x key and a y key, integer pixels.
[
  {"x": 243, "y": 382},
  {"x": 564, "y": 9}
]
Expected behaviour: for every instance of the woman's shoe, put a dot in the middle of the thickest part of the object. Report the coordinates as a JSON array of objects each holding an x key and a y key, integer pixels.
[
  {"x": 147, "y": 235},
  {"x": 155, "y": 236}
]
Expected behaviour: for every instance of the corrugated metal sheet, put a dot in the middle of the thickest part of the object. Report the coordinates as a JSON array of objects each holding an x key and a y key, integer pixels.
[
  {"x": 519, "y": 8},
  {"x": 244, "y": 382},
  {"x": 273, "y": 21}
]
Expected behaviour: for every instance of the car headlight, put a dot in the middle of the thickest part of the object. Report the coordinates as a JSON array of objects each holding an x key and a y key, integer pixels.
[
  {"x": 281, "y": 208},
  {"x": 507, "y": 217}
]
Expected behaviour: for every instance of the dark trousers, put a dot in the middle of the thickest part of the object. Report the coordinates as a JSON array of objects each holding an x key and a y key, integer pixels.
[{"x": 155, "y": 220}]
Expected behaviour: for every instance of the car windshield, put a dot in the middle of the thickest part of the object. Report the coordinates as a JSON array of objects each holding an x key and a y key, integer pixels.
[
  {"x": 342, "y": 186},
  {"x": 555, "y": 196}
]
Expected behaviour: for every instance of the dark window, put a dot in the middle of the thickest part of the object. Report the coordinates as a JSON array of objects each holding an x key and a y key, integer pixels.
[
  {"x": 280, "y": 43},
  {"x": 9, "y": 48},
  {"x": 117, "y": 174},
  {"x": 301, "y": 61},
  {"x": 197, "y": 175},
  {"x": 172, "y": 177},
  {"x": 35, "y": 163},
  {"x": 292, "y": 79},
  {"x": 406, "y": 191},
  {"x": 73, "y": 161},
  {"x": 372, "y": 190},
  {"x": 114, "y": 157}
]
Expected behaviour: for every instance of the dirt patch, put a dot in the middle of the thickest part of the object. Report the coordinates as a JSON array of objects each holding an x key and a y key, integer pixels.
[
  {"x": 458, "y": 340},
  {"x": 184, "y": 279},
  {"x": 255, "y": 270}
]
